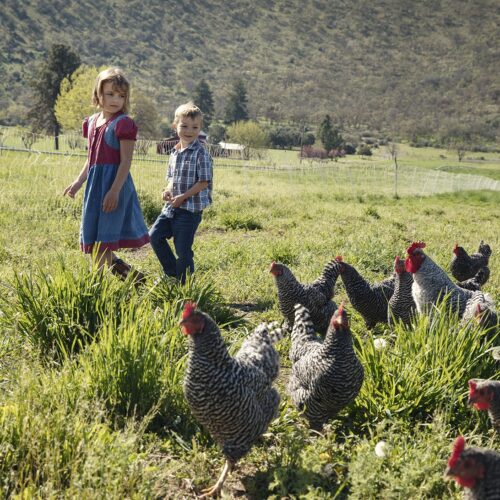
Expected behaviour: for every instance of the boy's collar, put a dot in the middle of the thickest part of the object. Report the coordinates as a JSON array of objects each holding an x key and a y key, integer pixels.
[{"x": 189, "y": 146}]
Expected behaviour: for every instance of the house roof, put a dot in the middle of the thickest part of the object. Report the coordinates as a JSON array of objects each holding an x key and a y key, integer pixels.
[{"x": 233, "y": 146}]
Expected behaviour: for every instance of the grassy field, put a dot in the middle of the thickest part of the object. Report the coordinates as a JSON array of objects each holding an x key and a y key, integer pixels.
[{"x": 91, "y": 402}]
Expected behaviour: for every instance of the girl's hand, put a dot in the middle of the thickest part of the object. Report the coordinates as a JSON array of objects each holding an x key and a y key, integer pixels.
[
  {"x": 167, "y": 195},
  {"x": 73, "y": 188},
  {"x": 110, "y": 201}
]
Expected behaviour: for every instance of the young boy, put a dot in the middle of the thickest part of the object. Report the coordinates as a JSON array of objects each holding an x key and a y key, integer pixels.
[{"x": 188, "y": 192}]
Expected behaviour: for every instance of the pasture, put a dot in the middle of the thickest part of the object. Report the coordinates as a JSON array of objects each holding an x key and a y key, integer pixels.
[{"x": 91, "y": 402}]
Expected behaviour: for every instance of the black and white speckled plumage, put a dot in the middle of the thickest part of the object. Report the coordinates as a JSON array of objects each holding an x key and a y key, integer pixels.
[
  {"x": 477, "y": 281},
  {"x": 464, "y": 266},
  {"x": 316, "y": 296},
  {"x": 370, "y": 300},
  {"x": 488, "y": 487},
  {"x": 493, "y": 387},
  {"x": 481, "y": 308},
  {"x": 326, "y": 374},
  {"x": 232, "y": 397},
  {"x": 431, "y": 284},
  {"x": 402, "y": 307}
]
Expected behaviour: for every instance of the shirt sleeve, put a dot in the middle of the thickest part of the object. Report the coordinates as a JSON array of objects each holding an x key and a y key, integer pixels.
[
  {"x": 126, "y": 129},
  {"x": 204, "y": 166},
  {"x": 85, "y": 128}
]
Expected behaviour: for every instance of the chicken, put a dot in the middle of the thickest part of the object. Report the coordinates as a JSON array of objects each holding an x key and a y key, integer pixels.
[
  {"x": 326, "y": 374},
  {"x": 232, "y": 397},
  {"x": 401, "y": 305},
  {"x": 481, "y": 308},
  {"x": 316, "y": 296},
  {"x": 464, "y": 266},
  {"x": 370, "y": 301},
  {"x": 476, "y": 469},
  {"x": 477, "y": 281},
  {"x": 431, "y": 283},
  {"x": 485, "y": 395}
]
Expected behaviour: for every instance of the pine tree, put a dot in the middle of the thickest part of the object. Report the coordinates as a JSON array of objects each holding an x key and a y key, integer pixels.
[
  {"x": 203, "y": 98},
  {"x": 236, "y": 107},
  {"x": 329, "y": 135},
  {"x": 61, "y": 63}
]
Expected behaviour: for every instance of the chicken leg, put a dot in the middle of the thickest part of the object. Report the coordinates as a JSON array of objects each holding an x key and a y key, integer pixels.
[{"x": 215, "y": 490}]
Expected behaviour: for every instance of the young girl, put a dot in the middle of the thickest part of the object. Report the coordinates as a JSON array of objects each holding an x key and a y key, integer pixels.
[{"x": 111, "y": 217}]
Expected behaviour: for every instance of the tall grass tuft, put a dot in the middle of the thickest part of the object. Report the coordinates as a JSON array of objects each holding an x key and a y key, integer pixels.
[
  {"x": 198, "y": 288},
  {"x": 138, "y": 364},
  {"x": 424, "y": 368},
  {"x": 55, "y": 443},
  {"x": 60, "y": 311}
]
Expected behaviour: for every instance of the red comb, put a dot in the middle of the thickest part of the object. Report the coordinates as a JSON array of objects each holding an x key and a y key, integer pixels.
[
  {"x": 472, "y": 386},
  {"x": 341, "y": 307},
  {"x": 189, "y": 309},
  {"x": 339, "y": 258},
  {"x": 414, "y": 246},
  {"x": 397, "y": 260},
  {"x": 458, "y": 447}
]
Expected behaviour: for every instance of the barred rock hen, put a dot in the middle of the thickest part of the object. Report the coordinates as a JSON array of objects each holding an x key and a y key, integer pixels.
[
  {"x": 477, "y": 281},
  {"x": 480, "y": 308},
  {"x": 326, "y": 374},
  {"x": 485, "y": 395},
  {"x": 370, "y": 300},
  {"x": 232, "y": 397},
  {"x": 431, "y": 283},
  {"x": 476, "y": 469},
  {"x": 464, "y": 266},
  {"x": 316, "y": 296},
  {"x": 401, "y": 305}
]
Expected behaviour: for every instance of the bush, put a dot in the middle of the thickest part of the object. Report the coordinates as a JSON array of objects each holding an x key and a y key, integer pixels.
[
  {"x": 151, "y": 206},
  {"x": 314, "y": 153},
  {"x": 349, "y": 149},
  {"x": 216, "y": 133},
  {"x": 365, "y": 150},
  {"x": 250, "y": 134}
]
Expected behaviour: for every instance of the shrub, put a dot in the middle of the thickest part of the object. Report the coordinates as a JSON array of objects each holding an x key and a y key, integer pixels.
[
  {"x": 240, "y": 221},
  {"x": 364, "y": 150},
  {"x": 151, "y": 206}
]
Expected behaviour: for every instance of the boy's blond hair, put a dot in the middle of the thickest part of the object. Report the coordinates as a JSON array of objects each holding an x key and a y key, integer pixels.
[
  {"x": 188, "y": 110},
  {"x": 120, "y": 83}
]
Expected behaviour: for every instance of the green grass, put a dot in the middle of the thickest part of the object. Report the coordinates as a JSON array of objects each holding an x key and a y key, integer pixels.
[{"x": 91, "y": 368}]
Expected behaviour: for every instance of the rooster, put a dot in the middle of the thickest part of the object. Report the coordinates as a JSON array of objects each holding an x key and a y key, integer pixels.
[
  {"x": 431, "y": 283},
  {"x": 401, "y": 305},
  {"x": 316, "y": 296},
  {"x": 476, "y": 469},
  {"x": 326, "y": 374},
  {"x": 485, "y": 395},
  {"x": 232, "y": 397},
  {"x": 464, "y": 266},
  {"x": 370, "y": 301}
]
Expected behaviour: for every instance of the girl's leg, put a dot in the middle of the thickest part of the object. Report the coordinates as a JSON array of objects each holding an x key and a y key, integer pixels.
[
  {"x": 185, "y": 225},
  {"x": 104, "y": 257}
]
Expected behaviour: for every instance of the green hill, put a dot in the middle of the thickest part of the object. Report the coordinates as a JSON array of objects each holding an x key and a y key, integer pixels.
[{"x": 401, "y": 65}]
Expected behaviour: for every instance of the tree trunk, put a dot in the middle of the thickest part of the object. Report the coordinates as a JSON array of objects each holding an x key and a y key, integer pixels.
[{"x": 57, "y": 129}]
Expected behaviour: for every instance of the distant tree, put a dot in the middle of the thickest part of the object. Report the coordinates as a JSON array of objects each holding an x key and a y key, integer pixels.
[
  {"x": 203, "y": 98},
  {"x": 365, "y": 150},
  {"x": 216, "y": 133},
  {"x": 236, "y": 107},
  {"x": 308, "y": 139},
  {"x": 329, "y": 135},
  {"x": 74, "y": 101},
  {"x": 61, "y": 62},
  {"x": 145, "y": 114},
  {"x": 250, "y": 134}
]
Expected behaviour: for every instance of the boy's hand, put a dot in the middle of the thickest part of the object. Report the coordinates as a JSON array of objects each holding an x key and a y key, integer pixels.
[
  {"x": 167, "y": 195},
  {"x": 177, "y": 201},
  {"x": 110, "y": 201},
  {"x": 73, "y": 188}
]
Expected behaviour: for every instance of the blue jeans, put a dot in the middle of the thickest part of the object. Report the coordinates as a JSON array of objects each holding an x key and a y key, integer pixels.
[{"x": 182, "y": 228}]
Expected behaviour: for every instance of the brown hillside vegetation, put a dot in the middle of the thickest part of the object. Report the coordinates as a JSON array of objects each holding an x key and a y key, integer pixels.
[{"x": 400, "y": 64}]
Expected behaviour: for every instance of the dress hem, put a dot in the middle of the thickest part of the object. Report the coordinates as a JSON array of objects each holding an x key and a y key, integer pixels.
[{"x": 116, "y": 245}]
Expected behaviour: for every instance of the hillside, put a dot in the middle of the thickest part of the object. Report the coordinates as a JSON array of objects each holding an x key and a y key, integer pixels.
[{"x": 402, "y": 65}]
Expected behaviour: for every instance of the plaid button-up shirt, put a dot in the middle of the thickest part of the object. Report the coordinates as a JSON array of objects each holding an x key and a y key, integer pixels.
[{"x": 185, "y": 169}]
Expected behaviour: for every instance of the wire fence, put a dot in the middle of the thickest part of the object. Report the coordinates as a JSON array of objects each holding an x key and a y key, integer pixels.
[{"x": 150, "y": 160}]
